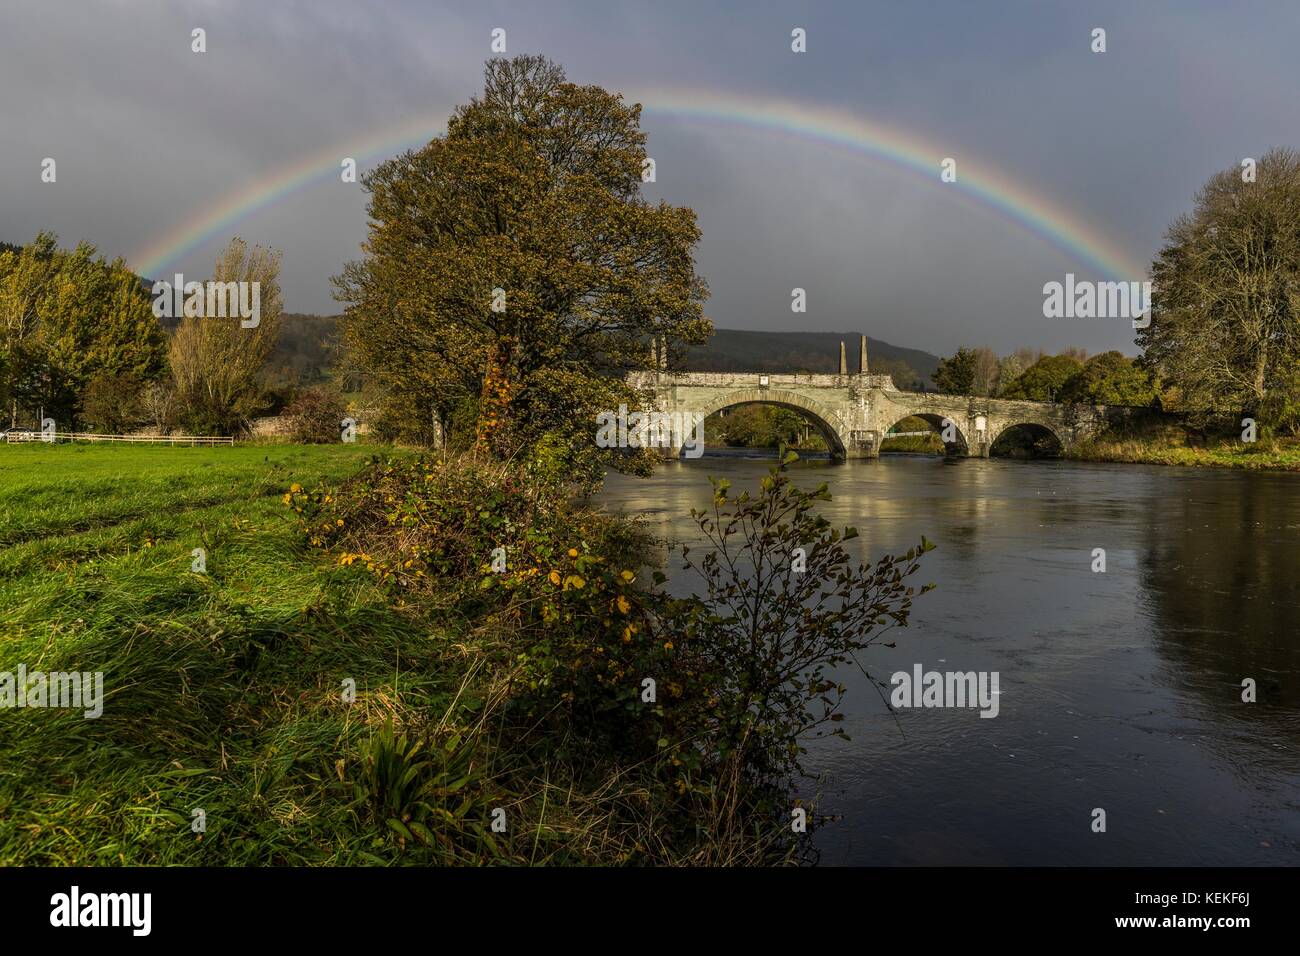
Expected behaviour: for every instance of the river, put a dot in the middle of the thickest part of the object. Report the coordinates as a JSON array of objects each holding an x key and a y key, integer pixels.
[{"x": 1119, "y": 690}]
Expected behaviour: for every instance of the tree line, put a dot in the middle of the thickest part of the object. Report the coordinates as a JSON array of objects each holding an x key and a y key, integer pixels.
[
  {"x": 80, "y": 344},
  {"x": 1223, "y": 342},
  {"x": 1110, "y": 378}
]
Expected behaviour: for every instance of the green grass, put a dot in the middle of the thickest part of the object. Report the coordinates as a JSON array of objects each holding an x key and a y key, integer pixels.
[
  {"x": 1169, "y": 446},
  {"x": 222, "y": 690}
]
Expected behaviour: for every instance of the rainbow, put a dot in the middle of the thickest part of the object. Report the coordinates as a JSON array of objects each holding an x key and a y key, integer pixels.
[
  {"x": 977, "y": 183},
  {"x": 307, "y": 170}
]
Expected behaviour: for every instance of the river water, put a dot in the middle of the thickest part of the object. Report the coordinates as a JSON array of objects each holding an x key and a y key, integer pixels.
[{"x": 1119, "y": 691}]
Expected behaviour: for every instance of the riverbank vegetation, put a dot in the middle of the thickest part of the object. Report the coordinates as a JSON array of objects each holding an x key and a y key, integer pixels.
[
  {"x": 1161, "y": 441},
  {"x": 430, "y": 660},
  {"x": 913, "y": 444}
]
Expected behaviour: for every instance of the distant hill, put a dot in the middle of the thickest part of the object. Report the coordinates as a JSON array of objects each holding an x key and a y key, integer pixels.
[{"x": 737, "y": 350}]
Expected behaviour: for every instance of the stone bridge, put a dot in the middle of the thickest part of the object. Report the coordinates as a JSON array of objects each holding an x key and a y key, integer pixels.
[{"x": 854, "y": 413}]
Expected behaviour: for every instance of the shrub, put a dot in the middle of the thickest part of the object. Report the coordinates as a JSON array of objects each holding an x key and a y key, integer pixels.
[
  {"x": 158, "y": 405},
  {"x": 698, "y": 706},
  {"x": 112, "y": 404},
  {"x": 765, "y": 635},
  {"x": 316, "y": 416}
]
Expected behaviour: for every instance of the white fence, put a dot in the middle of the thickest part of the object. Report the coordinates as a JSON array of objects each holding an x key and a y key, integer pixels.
[{"x": 26, "y": 436}]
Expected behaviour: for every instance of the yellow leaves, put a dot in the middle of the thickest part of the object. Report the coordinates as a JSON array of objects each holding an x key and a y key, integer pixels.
[
  {"x": 573, "y": 552},
  {"x": 623, "y": 604},
  {"x": 295, "y": 488},
  {"x": 554, "y": 578},
  {"x": 627, "y": 576},
  {"x": 574, "y": 581},
  {"x": 339, "y": 522}
]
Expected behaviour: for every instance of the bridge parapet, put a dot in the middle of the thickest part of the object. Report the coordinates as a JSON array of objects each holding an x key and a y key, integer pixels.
[{"x": 758, "y": 380}]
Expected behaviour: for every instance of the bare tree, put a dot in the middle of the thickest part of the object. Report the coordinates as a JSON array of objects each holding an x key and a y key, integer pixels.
[{"x": 986, "y": 371}]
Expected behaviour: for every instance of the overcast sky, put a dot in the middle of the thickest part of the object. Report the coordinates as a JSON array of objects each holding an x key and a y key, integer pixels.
[{"x": 148, "y": 135}]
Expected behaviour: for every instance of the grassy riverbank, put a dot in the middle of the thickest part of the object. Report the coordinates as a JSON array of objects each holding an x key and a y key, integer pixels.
[
  {"x": 224, "y": 691},
  {"x": 347, "y": 682},
  {"x": 1169, "y": 444}
]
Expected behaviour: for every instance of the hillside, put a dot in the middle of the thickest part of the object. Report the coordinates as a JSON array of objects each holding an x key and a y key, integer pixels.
[{"x": 737, "y": 350}]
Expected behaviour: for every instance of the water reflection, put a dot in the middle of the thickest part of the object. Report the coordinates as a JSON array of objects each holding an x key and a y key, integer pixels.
[{"x": 1223, "y": 585}]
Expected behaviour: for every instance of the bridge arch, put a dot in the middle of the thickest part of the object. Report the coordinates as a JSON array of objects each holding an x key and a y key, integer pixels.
[
  {"x": 1037, "y": 430},
  {"x": 936, "y": 421},
  {"x": 819, "y": 416}
]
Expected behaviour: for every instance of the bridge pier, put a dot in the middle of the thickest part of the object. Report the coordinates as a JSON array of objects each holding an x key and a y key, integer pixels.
[{"x": 863, "y": 445}]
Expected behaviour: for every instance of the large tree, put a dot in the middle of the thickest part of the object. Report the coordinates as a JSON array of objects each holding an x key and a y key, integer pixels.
[
  {"x": 1225, "y": 318},
  {"x": 514, "y": 268},
  {"x": 1045, "y": 380},
  {"x": 1012, "y": 366},
  {"x": 1111, "y": 378},
  {"x": 956, "y": 374}
]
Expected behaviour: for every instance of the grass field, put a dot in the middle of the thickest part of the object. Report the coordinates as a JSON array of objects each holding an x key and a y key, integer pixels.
[{"x": 221, "y": 690}]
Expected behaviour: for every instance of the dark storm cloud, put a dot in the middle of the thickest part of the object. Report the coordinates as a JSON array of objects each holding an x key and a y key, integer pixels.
[{"x": 146, "y": 134}]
